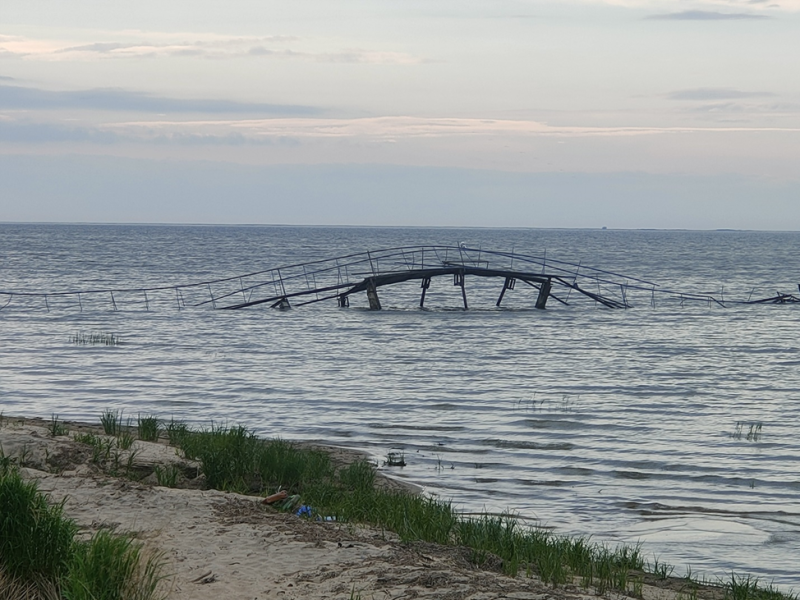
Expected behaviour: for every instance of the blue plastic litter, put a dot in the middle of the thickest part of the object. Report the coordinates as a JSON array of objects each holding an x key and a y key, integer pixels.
[{"x": 304, "y": 511}]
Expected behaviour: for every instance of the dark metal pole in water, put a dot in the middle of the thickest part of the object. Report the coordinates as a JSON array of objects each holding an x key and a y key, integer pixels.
[
  {"x": 426, "y": 283},
  {"x": 372, "y": 296},
  {"x": 544, "y": 293},
  {"x": 458, "y": 279},
  {"x": 508, "y": 285},
  {"x": 282, "y": 304}
]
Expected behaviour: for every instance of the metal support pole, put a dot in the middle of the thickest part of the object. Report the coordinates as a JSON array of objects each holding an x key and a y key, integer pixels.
[
  {"x": 282, "y": 304},
  {"x": 344, "y": 301},
  {"x": 426, "y": 283},
  {"x": 458, "y": 279},
  {"x": 544, "y": 293},
  {"x": 372, "y": 296},
  {"x": 210, "y": 293},
  {"x": 507, "y": 285}
]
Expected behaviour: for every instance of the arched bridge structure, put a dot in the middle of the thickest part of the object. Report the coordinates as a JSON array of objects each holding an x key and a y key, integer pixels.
[
  {"x": 369, "y": 271},
  {"x": 340, "y": 278}
]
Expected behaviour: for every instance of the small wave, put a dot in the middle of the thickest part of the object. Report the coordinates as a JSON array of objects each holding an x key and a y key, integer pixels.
[
  {"x": 417, "y": 427},
  {"x": 632, "y": 474},
  {"x": 546, "y": 483},
  {"x": 497, "y": 443}
]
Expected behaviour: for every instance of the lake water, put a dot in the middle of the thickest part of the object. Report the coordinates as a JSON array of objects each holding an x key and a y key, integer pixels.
[{"x": 626, "y": 425}]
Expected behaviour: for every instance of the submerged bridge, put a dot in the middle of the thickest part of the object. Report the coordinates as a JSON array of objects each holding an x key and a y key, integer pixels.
[{"x": 341, "y": 278}]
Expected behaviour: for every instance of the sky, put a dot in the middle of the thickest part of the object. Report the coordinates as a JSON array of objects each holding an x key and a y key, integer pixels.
[{"x": 577, "y": 113}]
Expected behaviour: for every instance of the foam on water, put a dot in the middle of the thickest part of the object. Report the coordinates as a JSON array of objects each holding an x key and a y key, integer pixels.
[{"x": 617, "y": 424}]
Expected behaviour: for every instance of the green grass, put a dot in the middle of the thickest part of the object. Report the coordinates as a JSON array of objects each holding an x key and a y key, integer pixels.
[
  {"x": 167, "y": 476},
  {"x": 111, "y": 420},
  {"x": 176, "y": 431},
  {"x": 111, "y": 567},
  {"x": 234, "y": 459},
  {"x": 56, "y": 427},
  {"x": 95, "y": 339},
  {"x": 753, "y": 433},
  {"x": 148, "y": 428},
  {"x": 745, "y": 587},
  {"x": 107, "y": 453},
  {"x": 125, "y": 439},
  {"x": 40, "y": 555},
  {"x": 36, "y": 540}
]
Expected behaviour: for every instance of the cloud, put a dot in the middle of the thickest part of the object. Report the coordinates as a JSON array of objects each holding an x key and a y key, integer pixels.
[
  {"x": 281, "y": 131},
  {"x": 213, "y": 47},
  {"x": 706, "y": 15},
  {"x": 675, "y": 6},
  {"x": 33, "y": 133},
  {"x": 205, "y": 48},
  {"x": 384, "y": 129},
  {"x": 747, "y": 110},
  {"x": 111, "y": 99},
  {"x": 715, "y": 94}
]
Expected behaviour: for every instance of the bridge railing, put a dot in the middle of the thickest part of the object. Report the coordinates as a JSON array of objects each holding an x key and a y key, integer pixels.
[{"x": 317, "y": 280}]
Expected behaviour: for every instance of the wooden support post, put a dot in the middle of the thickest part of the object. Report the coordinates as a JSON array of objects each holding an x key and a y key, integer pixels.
[
  {"x": 458, "y": 279},
  {"x": 508, "y": 285},
  {"x": 426, "y": 283},
  {"x": 544, "y": 293},
  {"x": 344, "y": 301},
  {"x": 372, "y": 296}
]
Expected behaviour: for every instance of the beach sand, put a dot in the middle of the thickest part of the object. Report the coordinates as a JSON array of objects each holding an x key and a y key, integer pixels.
[{"x": 225, "y": 545}]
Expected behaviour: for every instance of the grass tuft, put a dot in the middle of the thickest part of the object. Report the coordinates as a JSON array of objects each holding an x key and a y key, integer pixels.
[
  {"x": 148, "y": 428},
  {"x": 125, "y": 439},
  {"x": 753, "y": 433},
  {"x": 40, "y": 557},
  {"x": 57, "y": 428},
  {"x": 176, "y": 432},
  {"x": 36, "y": 540},
  {"x": 111, "y": 567},
  {"x": 111, "y": 420},
  {"x": 167, "y": 476},
  {"x": 95, "y": 339}
]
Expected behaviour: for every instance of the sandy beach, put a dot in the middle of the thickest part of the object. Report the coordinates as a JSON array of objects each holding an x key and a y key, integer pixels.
[{"x": 225, "y": 545}]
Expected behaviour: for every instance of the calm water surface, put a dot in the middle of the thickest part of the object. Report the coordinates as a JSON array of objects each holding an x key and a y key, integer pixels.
[{"x": 616, "y": 424}]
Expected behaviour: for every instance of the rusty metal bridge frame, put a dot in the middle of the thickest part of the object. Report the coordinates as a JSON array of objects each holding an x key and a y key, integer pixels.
[{"x": 339, "y": 278}]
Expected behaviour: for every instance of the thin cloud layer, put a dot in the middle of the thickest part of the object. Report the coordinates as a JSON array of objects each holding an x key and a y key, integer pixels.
[
  {"x": 15, "y": 98},
  {"x": 675, "y": 6},
  {"x": 288, "y": 130},
  {"x": 387, "y": 129},
  {"x": 706, "y": 15},
  {"x": 213, "y": 47},
  {"x": 703, "y": 94}
]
